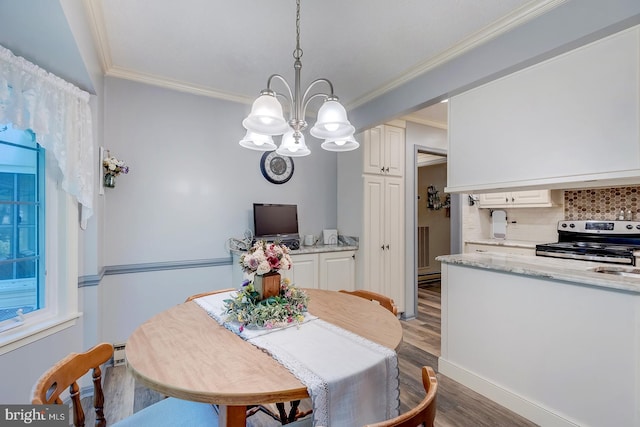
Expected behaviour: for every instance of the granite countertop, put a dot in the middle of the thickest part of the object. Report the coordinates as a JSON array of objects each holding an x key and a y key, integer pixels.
[
  {"x": 323, "y": 248},
  {"x": 506, "y": 243},
  {"x": 567, "y": 270},
  {"x": 346, "y": 243}
]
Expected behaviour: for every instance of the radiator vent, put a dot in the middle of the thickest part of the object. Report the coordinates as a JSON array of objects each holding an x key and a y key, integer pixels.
[
  {"x": 118, "y": 354},
  {"x": 423, "y": 247}
]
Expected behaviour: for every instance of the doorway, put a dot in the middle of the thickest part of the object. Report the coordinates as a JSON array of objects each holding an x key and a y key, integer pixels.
[{"x": 433, "y": 214}]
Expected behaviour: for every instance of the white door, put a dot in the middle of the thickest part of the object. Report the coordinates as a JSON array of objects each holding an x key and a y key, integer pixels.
[
  {"x": 373, "y": 233},
  {"x": 394, "y": 241}
]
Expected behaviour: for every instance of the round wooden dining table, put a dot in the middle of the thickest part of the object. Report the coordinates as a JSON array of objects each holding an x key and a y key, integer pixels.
[{"x": 184, "y": 353}]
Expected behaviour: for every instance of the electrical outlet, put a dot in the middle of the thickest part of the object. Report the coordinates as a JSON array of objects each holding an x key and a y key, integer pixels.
[{"x": 118, "y": 355}]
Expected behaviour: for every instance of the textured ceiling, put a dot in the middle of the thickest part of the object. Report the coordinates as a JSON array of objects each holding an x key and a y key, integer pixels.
[{"x": 228, "y": 49}]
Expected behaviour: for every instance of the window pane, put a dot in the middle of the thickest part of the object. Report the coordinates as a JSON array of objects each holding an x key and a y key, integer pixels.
[
  {"x": 6, "y": 187},
  {"x": 21, "y": 233},
  {"x": 17, "y": 294},
  {"x": 26, "y": 187}
]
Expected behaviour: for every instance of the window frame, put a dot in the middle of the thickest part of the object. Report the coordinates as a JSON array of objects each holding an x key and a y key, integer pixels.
[{"x": 60, "y": 260}]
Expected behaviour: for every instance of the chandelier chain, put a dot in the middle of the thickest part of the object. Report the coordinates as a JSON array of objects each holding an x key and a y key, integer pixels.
[{"x": 297, "y": 53}]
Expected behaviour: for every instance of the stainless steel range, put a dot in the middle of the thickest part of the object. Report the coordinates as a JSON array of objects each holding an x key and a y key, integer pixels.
[{"x": 602, "y": 241}]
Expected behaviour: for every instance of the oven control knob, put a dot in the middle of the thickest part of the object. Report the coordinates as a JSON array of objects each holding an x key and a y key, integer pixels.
[
  {"x": 572, "y": 225},
  {"x": 629, "y": 226},
  {"x": 564, "y": 225},
  {"x": 638, "y": 226}
]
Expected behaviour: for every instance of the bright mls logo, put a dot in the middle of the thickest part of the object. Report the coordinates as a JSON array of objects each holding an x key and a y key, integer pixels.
[{"x": 35, "y": 415}]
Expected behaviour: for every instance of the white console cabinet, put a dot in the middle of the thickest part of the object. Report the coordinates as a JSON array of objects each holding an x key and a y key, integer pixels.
[{"x": 331, "y": 270}]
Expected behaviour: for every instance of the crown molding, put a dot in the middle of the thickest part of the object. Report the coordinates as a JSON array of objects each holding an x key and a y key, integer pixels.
[
  {"x": 518, "y": 17},
  {"x": 95, "y": 16},
  {"x": 154, "y": 80},
  {"x": 521, "y": 15}
]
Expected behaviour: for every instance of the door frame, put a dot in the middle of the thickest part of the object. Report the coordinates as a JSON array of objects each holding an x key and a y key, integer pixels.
[{"x": 456, "y": 218}]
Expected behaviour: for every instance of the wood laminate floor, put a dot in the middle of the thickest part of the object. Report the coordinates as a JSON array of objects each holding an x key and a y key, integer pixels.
[{"x": 457, "y": 405}]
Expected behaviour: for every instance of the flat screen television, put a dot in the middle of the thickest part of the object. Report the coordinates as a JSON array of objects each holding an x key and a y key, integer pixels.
[{"x": 275, "y": 222}]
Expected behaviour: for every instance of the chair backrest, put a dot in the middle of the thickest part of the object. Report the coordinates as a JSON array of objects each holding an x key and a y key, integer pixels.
[
  {"x": 384, "y": 301},
  {"x": 204, "y": 294},
  {"x": 423, "y": 414},
  {"x": 66, "y": 373}
]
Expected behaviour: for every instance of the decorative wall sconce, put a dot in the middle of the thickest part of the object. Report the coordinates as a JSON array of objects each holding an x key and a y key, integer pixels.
[{"x": 112, "y": 168}]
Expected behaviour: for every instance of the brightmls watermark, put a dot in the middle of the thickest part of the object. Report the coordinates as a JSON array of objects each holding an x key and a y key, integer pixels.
[{"x": 34, "y": 415}]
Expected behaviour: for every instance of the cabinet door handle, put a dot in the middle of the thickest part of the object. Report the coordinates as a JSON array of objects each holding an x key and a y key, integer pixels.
[
  {"x": 513, "y": 199},
  {"x": 387, "y": 246},
  {"x": 382, "y": 169},
  {"x": 506, "y": 199},
  {"x": 382, "y": 247}
]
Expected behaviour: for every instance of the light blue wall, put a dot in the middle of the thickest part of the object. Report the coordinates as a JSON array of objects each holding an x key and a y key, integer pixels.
[{"x": 190, "y": 188}]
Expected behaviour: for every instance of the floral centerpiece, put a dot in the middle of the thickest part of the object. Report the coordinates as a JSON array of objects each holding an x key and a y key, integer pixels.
[
  {"x": 249, "y": 310},
  {"x": 265, "y": 300},
  {"x": 263, "y": 258},
  {"x": 112, "y": 168}
]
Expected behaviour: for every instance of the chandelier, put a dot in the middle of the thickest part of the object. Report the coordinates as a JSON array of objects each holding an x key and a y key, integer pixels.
[{"x": 266, "y": 118}]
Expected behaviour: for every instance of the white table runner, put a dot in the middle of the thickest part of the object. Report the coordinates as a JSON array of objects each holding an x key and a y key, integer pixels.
[{"x": 352, "y": 381}]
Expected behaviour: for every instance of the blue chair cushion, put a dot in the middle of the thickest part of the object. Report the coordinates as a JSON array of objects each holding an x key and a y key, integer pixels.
[{"x": 172, "y": 412}]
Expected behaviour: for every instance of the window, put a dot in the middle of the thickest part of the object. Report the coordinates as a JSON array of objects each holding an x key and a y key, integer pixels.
[{"x": 21, "y": 223}]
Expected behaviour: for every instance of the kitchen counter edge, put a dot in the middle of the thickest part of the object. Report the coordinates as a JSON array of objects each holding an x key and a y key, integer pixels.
[{"x": 578, "y": 272}]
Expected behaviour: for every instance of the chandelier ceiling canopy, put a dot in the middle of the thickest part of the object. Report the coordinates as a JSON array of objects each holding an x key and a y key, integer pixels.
[{"x": 267, "y": 119}]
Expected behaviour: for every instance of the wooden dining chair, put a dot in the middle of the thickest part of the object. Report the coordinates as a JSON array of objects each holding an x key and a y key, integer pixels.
[
  {"x": 65, "y": 374},
  {"x": 422, "y": 415},
  {"x": 204, "y": 294},
  {"x": 384, "y": 300}
]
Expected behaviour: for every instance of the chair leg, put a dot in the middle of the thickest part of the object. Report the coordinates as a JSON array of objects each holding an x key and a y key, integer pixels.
[
  {"x": 294, "y": 410},
  {"x": 283, "y": 413}
]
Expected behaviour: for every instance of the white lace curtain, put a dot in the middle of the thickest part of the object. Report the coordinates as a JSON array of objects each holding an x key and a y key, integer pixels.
[{"x": 59, "y": 114}]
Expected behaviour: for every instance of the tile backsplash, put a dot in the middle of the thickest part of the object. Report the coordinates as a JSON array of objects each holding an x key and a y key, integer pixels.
[{"x": 602, "y": 203}]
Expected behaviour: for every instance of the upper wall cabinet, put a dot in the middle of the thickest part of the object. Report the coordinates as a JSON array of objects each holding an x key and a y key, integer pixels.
[
  {"x": 558, "y": 124},
  {"x": 520, "y": 199},
  {"x": 384, "y": 151}
]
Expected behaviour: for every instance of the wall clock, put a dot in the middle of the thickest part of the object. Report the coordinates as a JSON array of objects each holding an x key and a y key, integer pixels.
[{"x": 276, "y": 168}]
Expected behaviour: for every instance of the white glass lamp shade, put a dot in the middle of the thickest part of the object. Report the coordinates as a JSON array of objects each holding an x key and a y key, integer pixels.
[
  {"x": 341, "y": 144},
  {"x": 332, "y": 122},
  {"x": 258, "y": 142},
  {"x": 266, "y": 117},
  {"x": 288, "y": 146}
]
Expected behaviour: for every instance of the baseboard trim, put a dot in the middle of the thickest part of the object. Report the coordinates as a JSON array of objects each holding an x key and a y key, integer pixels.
[{"x": 510, "y": 400}]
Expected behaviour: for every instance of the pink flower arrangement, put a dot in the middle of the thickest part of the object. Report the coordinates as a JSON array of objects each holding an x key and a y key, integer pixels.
[{"x": 265, "y": 257}]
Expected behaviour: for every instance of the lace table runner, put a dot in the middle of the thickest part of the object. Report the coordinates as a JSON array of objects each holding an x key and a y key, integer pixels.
[{"x": 351, "y": 380}]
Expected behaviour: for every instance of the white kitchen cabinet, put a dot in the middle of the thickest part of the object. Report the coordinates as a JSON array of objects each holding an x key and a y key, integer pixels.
[
  {"x": 337, "y": 270},
  {"x": 520, "y": 199},
  {"x": 304, "y": 272},
  {"x": 384, "y": 151},
  {"x": 382, "y": 240},
  {"x": 558, "y": 124},
  {"x": 323, "y": 270}
]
